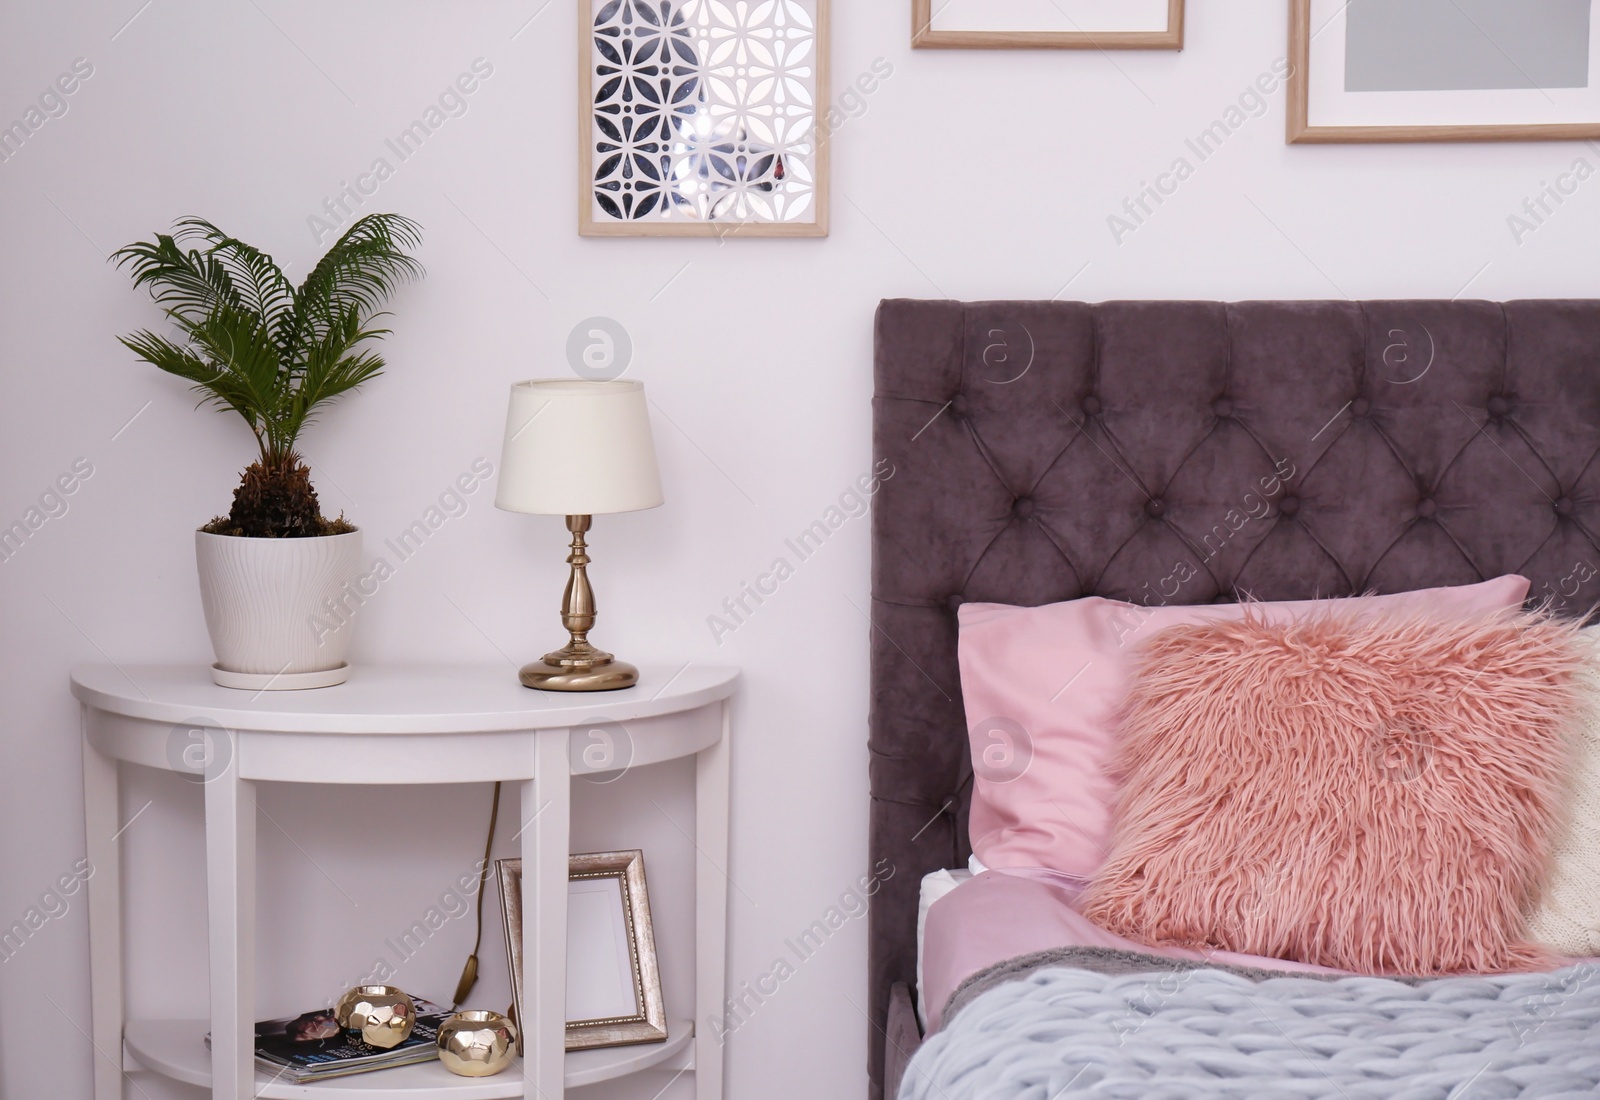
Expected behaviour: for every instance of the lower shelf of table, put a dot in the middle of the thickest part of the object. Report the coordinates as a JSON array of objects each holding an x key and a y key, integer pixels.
[{"x": 177, "y": 1049}]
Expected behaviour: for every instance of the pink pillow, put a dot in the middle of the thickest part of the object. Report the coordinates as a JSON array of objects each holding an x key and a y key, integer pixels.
[
  {"x": 1376, "y": 794},
  {"x": 1043, "y": 687}
]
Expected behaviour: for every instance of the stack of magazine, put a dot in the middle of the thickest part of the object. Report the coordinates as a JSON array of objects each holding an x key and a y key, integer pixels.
[{"x": 312, "y": 1048}]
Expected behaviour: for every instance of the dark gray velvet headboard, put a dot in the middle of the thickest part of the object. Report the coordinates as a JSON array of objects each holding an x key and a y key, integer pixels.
[{"x": 1045, "y": 451}]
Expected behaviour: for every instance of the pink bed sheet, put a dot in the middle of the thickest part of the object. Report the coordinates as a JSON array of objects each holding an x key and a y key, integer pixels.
[{"x": 1000, "y": 914}]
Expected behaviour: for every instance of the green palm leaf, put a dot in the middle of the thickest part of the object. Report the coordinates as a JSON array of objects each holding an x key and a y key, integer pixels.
[
  {"x": 187, "y": 285},
  {"x": 361, "y": 271},
  {"x": 259, "y": 282},
  {"x": 332, "y": 368},
  {"x": 215, "y": 386}
]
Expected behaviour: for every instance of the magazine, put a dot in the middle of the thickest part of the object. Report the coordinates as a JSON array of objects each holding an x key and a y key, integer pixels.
[{"x": 310, "y": 1047}]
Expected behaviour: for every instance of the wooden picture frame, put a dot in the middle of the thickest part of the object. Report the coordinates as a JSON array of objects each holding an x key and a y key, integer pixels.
[
  {"x": 644, "y": 1018},
  {"x": 1299, "y": 130},
  {"x": 924, "y": 37},
  {"x": 591, "y": 225}
]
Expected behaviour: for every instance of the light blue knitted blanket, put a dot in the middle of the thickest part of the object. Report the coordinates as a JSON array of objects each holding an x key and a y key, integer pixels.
[{"x": 1208, "y": 1033}]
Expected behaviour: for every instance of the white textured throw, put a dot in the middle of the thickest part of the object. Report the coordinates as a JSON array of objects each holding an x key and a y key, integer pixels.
[
  {"x": 1206, "y": 1033},
  {"x": 1568, "y": 917}
]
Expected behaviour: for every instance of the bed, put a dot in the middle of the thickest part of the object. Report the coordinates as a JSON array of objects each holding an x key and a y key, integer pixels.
[{"x": 1045, "y": 451}]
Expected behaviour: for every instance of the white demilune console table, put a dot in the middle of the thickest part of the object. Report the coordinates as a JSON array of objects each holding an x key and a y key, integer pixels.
[{"x": 393, "y": 725}]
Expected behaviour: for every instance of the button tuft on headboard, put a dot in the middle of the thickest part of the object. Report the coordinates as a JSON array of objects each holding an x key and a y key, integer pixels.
[
  {"x": 1155, "y": 508},
  {"x": 1426, "y": 508},
  {"x": 1223, "y": 407},
  {"x": 1288, "y": 506},
  {"x": 1564, "y": 506},
  {"x": 1498, "y": 405},
  {"x": 1023, "y": 508},
  {"x": 1091, "y": 405},
  {"x": 954, "y": 602},
  {"x": 1360, "y": 407}
]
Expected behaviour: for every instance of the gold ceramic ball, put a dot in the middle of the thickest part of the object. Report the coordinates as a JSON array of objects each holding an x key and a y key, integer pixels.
[
  {"x": 381, "y": 1014},
  {"x": 477, "y": 1043}
]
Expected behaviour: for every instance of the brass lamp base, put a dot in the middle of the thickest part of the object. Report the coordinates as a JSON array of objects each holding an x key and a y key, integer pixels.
[
  {"x": 607, "y": 677},
  {"x": 578, "y": 665}
]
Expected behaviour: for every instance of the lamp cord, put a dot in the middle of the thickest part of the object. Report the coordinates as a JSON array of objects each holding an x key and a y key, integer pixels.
[{"x": 469, "y": 973}]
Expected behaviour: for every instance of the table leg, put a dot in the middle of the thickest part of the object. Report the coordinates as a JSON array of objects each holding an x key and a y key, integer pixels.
[
  {"x": 711, "y": 911},
  {"x": 546, "y": 801},
  {"x": 231, "y": 907},
  {"x": 101, "y": 833}
]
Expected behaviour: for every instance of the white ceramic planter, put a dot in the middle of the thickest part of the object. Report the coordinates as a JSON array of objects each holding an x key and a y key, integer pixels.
[{"x": 278, "y": 610}]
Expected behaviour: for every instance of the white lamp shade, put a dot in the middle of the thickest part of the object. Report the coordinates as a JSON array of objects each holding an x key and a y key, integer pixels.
[{"x": 577, "y": 448}]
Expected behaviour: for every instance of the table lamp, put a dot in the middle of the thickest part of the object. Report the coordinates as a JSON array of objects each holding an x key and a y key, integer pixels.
[{"x": 578, "y": 449}]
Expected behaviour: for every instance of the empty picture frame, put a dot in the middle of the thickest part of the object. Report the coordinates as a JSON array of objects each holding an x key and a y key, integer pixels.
[
  {"x": 700, "y": 118},
  {"x": 1442, "y": 70},
  {"x": 1047, "y": 24},
  {"x": 613, "y": 980}
]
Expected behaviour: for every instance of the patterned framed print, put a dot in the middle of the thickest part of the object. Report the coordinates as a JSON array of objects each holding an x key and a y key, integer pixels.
[
  {"x": 1443, "y": 70},
  {"x": 703, "y": 118}
]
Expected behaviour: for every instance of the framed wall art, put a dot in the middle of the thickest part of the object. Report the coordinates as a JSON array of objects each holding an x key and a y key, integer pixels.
[
  {"x": 701, "y": 118},
  {"x": 613, "y": 980},
  {"x": 1047, "y": 24},
  {"x": 1442, "y": 70}
]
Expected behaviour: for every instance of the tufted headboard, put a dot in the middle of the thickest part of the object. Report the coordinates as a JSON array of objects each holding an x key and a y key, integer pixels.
[{"x": 1043, "y": 451}]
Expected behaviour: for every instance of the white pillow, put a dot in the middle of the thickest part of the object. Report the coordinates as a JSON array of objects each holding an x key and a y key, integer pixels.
[
  {"x": 1568, "y": 917},
  {"x": 935, "y": 885}
]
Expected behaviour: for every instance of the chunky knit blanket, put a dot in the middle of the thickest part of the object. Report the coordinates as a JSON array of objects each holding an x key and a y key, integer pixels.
[{"x": 1205, "y": 1032}]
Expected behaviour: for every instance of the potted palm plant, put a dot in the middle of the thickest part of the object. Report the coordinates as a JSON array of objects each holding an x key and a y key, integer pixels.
[{"x": 274, "y": 568}]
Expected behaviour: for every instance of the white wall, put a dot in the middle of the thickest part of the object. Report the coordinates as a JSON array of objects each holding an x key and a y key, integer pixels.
[{"x": 968, "y": 175}]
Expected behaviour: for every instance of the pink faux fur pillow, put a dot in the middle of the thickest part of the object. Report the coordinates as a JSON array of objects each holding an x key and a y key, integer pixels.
[{"x": 1377, "y": 796}]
